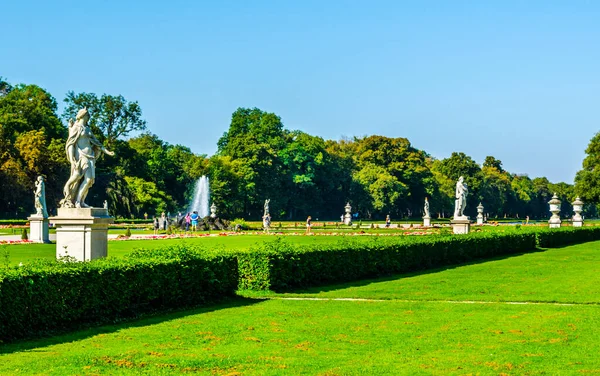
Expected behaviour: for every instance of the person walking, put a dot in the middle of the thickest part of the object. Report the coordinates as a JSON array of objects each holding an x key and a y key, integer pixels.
[
  {"x": 156, "y": 225},
  {"x": 194, "y": 218},
  {"x": 308, "y": 224},
  {"x": 188, "y": 221}
]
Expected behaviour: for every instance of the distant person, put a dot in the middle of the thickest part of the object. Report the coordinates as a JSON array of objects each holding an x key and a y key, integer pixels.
[
  {"x": 156, "y": 225},
  {"x": 308, "y": 224},
  {"x": 188, "y": 221},
  {"x": 194, "y": 218},
  {"x": 388, "y": 221}
]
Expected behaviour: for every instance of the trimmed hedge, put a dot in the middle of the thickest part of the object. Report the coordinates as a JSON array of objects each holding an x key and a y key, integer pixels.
[
  {"x": 41, "y": 298},
  {"x": 280, "y": 266},
  {"x": 551, "y": 238}
]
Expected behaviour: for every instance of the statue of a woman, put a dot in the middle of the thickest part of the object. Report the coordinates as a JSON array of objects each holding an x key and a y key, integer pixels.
[
  {"x": 267, "y": 206},
  {"x": 426, "y": 208},
  {"x": 461, "y": 198},
  {"x": 40, "y": 197},
  {"x": 82, "y": 148}
]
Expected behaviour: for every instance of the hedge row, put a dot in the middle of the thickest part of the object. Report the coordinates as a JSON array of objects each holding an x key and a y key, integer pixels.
[
  {"x": 282, "y": 266},
  {"x": 551, "y": 238},
  {"x": 41, "y": 298},
  {"x": 44, "y": 297}
]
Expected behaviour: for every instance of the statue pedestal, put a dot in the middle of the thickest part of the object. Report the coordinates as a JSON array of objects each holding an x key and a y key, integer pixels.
[
  {"x": 480, "y": 219},
  {"x": 554, "y": 222},
  {"x": 426, "y": 221},
  {"x": 82, "y": 233},
  {"x": 38, "y": 229},
  {"x": 577, "y": 223},
  {"x": 461, "y": 225}
]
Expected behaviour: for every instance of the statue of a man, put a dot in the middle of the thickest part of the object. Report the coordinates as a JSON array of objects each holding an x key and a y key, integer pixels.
[
  {"x": 82, "y": 148},
  {"x": 267, "y": 206},
  {"x": 460, "y": 202},
  {"x": 426, "y": 208},
  {"x": 40, "y": 197}
]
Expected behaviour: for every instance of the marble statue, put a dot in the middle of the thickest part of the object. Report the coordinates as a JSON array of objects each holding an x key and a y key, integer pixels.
[
  {"x": 40, "y": 198},
  {"x": 267, "y": 206},
  {"x": 82, "y": 149},
  {"x": 105, "y": 205},
  {"x": 460, "y": 202},
  {"x": 426, "y": 208}
]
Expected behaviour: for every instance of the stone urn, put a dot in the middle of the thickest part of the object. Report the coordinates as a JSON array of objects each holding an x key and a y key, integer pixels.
[
  {"x": 554, "y": 221},
  {"x": 348, "y": 215},
  {"x": 480, "y": 214},
  {"x": 213, "y": 210},
  {"x": 577, "y": 208}
]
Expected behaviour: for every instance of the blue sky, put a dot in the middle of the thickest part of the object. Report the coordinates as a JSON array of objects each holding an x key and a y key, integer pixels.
[{"x": 518, "y": 80}]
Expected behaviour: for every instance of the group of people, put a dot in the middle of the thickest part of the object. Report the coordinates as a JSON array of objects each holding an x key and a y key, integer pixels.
[{"x": 191, "y": 220}]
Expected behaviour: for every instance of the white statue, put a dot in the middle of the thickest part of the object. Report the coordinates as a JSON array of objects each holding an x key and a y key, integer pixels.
[
  {"x": 82, "y": 151},
  {"x": 40, "y": 197},
  {"x": 105, "y": 205},
  {"x": 461, "y": 199},
  {"x": 426, "y": 208},
  {"x": 267, "y": 206}
]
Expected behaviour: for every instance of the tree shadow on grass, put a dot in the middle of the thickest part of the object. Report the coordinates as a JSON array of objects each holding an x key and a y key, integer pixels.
[
  {"x": 89, "y": 330},
  {"x": 367, "y": 281}
]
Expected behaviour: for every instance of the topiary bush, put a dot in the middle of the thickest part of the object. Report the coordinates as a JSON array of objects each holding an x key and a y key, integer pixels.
[{"x": 24, "y": 235}]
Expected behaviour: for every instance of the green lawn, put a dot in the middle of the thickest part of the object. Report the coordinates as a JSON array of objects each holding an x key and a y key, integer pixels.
[
  {"x": 27, "y": 252},
  {"x": 421, "y": 326}
]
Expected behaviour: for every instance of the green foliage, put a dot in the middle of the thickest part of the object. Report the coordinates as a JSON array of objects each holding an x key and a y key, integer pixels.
[
  {"x": 270, "y": 266},
  {"x": 127, "y": 232},
  {"x": 551, "y": 238},
  {"x": 43, "y": 297},
  {"x": 24, "y": 234}
]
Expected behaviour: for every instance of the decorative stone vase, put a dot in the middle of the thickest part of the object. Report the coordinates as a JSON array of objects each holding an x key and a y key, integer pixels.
[
  {"x": 554, "y": 221},
  {"x": 348, "y": 215},
  {"x": 480, "y": 214},
  {"x": 213, "y": 210},
  {"x": 577, "y": 208}
]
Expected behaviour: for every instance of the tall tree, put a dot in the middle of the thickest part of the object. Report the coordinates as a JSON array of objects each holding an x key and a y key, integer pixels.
[{"x": 112, "y": 115}]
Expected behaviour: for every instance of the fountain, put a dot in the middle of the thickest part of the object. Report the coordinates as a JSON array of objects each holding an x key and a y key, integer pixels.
[{"x": 201, "y": 198}]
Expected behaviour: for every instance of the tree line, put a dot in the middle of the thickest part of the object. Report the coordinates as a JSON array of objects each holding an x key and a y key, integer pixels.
[{"x": 257, "y": 158}]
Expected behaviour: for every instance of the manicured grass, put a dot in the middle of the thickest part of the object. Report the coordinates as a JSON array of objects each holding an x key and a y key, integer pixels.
[
  {"x": 414, "y": 330},
  {"x": 326, "y": 338},
  {"x": 567, "y": 275}
]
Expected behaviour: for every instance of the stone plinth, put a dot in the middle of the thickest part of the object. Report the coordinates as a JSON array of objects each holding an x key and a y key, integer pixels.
[
  {"x": 577, "y": 223},
  {"x": 461, "y": 225},
  {"x": 427, "y": 221},
  {"x": 82, "y": 233},
  {"x": 480, "y": 219},
  {"x": 38, "y": 229}
]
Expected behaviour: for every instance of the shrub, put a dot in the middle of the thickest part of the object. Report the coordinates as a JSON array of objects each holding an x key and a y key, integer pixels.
[
  {"x": 127, "y": 232},
  {"x": 24, "y": 234},
  {"x": 551, "y": 238},
  {"x": 43, "y": 297},
  {"x": 279, "y": 266}
]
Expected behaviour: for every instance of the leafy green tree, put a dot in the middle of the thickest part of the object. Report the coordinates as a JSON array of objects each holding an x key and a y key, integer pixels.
[
  {"x": 587, "y": 180},
  {"x": 112, "y": 115}
]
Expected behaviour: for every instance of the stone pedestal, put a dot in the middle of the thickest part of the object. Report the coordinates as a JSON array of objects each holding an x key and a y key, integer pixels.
[
  {"x": 82, "y": 233},
  {"x": 461, "y": 225},
  {"x": 427, "y": 221},
  {"x": 554, "y": 223},
  {"x": 577, "y": 223},
  {"x": 38, "y": 229}
]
